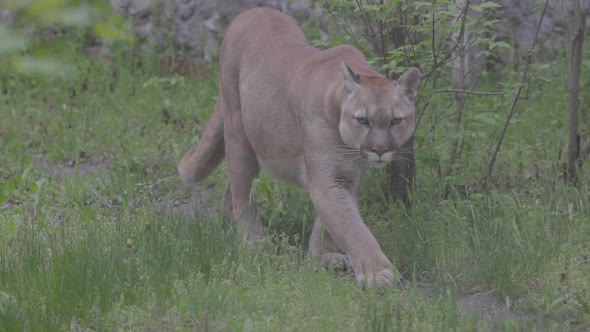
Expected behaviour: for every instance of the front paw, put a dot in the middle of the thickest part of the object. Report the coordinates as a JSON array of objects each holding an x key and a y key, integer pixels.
[
  {"x": 337, "y": 262},
  {"x": 382, "y": 279}
]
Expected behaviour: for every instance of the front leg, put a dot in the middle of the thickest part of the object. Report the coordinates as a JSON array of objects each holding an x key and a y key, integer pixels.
[{"x": 336, "y": 207}]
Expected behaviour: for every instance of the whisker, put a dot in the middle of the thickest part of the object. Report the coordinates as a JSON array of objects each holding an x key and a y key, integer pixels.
[{"x": 349, "y": 154}]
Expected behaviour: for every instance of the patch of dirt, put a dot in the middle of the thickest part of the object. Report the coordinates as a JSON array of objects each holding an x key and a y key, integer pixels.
[
  {"x": 192, "y": 203},
  {"x": 86, "y": 165},
  {"x": 481, "y": 306},
  {"x": 485, "y": 306}
]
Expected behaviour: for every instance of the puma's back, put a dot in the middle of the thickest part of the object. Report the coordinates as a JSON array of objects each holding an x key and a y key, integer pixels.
[{"x": 261, "y": 54}]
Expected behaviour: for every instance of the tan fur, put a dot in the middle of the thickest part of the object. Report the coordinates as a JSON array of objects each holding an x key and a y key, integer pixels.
[{"x": 293, "y": 110}]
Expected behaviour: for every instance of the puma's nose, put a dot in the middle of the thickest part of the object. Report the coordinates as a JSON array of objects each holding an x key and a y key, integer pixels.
[{"x": 379, "y": 150}]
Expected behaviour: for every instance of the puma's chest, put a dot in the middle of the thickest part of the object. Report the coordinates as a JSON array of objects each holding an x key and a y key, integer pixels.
[{"x": 287, "y": 169}]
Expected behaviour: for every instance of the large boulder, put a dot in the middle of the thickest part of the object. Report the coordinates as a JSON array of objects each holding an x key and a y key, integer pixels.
[
  {"x": 519, "y": 21},
  {"x": 195, "y": 26}
]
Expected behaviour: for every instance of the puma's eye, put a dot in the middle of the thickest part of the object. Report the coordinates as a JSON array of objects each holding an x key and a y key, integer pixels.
[
  {"x": 362, "y": 120},
  {"x": 396, "y": 121}
]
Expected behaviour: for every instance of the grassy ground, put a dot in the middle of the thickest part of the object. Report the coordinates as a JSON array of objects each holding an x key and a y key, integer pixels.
[{"x": 97, "y": 232}]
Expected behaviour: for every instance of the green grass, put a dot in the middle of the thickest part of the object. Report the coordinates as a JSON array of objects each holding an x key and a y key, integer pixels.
[{"x": 88, "y": 239}]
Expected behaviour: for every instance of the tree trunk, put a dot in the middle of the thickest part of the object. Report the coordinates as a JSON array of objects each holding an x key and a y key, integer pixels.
[
  {"x": 403, "y": 171},
  {"x": 577, "y": 26}
]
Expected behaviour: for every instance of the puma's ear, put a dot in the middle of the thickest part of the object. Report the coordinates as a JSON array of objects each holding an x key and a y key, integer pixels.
[
  {"x": 351, "y": 79},
  {"x": 409, "y": 82}
]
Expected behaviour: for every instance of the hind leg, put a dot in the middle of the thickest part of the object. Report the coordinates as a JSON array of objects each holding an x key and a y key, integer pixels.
[
  {"x": 242, "y": 168},
  {"x": 227, "y": 209}
]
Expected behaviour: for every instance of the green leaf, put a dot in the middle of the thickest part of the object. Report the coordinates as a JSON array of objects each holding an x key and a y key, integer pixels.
[
  {"x": 34, "y": 188},
  {"x": 16, "y": 4},
  {"x": 486, "y": 5},
  {"x": 112, "y": 32},
  {"x": 47, "y": 67},
  {"x": 11, "y": 42},
  {"x": 10, "y": 186},
  {"x": 79, "y": 16},
  {"x": 42, "y": 8},
  {"x": 501, "y": 44}
]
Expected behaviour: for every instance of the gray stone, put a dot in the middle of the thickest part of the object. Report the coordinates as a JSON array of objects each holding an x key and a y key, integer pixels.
[
  {"x": 6, "y": 16},
  {"x": 196, "y": 26}
]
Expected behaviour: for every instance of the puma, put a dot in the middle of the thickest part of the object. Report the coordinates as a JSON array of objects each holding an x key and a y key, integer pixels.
[{"x": 315, "y": 118}]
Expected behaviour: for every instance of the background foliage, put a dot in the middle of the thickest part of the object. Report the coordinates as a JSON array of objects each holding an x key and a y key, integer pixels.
[{"x": 96, "y": 231}]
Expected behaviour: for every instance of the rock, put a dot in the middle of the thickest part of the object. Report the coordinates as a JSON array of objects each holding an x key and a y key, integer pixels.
[
  {"x": 6, "y": 16},
  {"x": 195, "y": 26}
]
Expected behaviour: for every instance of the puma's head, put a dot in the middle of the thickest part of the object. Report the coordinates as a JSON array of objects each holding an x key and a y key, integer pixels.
[{"x": 377, "y": 114}]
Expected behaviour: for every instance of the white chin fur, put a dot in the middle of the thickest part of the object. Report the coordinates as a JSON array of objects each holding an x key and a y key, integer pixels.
[
  {"x": 379, "y": 164},
  {"x": 387, "y": 157}
]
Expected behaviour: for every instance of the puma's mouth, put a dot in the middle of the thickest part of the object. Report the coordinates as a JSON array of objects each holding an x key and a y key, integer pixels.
[
  {"x": 378, "y": 161},
  {"x": 379, "y": 164}
]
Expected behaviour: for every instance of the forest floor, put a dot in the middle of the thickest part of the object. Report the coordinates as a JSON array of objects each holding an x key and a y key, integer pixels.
[{"x": 98, "y": 233}]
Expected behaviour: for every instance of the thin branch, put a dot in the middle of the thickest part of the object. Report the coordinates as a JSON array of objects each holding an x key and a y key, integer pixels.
[
  {"x": 515, "y": 100},
  {"x": 447, "y": 57},
  {"x": 459, "y": 97},
  {"x": 367, "y": 20},
  {"x": 463, "y": 20},
  {"x": 383, "y": 47},
  {"x": 434, "y": 53},
  {"x": 348, "y": 28},
  {"x": 470, "y": 92}
]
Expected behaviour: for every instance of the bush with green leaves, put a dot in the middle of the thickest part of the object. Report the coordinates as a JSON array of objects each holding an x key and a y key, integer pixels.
[
  {"x": 37, "y": 32},
  {"x": 453, "y": 44}
]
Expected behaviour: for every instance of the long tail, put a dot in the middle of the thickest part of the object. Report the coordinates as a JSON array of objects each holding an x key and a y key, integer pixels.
[{"x": 203, "y": 158}]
